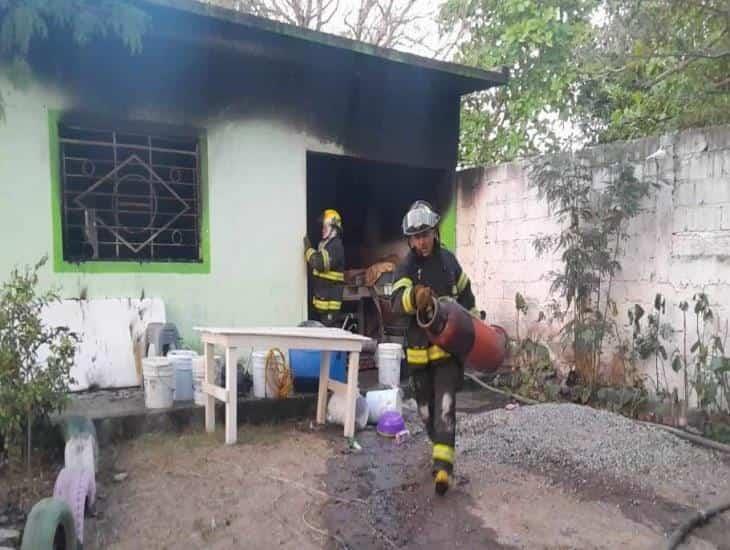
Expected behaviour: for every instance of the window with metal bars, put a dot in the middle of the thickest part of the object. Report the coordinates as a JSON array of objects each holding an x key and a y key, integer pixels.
[{"x": 129, "y": 193}]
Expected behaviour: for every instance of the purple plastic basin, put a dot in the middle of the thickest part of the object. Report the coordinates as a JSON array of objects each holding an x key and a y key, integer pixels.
[{"x": 390, "y": 424}]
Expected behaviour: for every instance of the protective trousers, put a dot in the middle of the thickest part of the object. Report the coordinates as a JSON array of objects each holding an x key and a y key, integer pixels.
[{"x": 434, "y": 387}]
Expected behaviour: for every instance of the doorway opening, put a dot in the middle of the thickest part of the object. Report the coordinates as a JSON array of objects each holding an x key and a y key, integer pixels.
[{"x": 372, "y": 198}]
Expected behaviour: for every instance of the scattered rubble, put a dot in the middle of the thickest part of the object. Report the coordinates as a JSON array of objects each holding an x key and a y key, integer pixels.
[{"x": 121, "y": 476}]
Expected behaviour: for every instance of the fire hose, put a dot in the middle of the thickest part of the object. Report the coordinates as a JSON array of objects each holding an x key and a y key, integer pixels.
[{"x": 697, "y": 520}]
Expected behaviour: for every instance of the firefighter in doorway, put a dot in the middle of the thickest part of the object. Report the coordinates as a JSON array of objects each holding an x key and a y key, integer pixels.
[
  {"x": 430, "y": 271},
  {"x": 327, "y": 264}
]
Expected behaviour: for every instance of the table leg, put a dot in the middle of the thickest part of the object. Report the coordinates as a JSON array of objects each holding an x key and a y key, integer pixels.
[
  {"x": 324, "y": 378},
  {"x": 232, "y": 394},
  {"x": 209, "y": 379},
  {"x": 353, "y": 369},
  {"x": 361, "y": 316}
]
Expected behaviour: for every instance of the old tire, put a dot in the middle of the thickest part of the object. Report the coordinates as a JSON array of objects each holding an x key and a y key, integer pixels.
[
  {"x": 77, "y": 488},
  {"x": 50, "y": 526}
]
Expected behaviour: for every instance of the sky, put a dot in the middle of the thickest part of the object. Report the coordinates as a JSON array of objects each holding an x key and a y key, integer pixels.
[{"x": 426, "y": 26}]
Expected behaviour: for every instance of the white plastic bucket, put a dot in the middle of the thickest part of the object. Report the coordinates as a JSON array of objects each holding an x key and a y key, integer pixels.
[
  {"x": 198, "y": 377},
  {"x": 336, "y": 410},
  {"x": 159, "y": 385},
  {"x": 258, "y": 372},
  {"x": 182, "y": 362},
  {"x": 380, "y": 401},
  {"x": 389, "y": 358}
]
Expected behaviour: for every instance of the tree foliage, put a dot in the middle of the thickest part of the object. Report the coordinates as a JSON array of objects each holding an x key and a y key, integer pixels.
[
  {"x": 24, "y": 21},
  {"x": 29, "y": 389},
  {"x": 608, "y": 69},
  {"x": 536, "y": 40},
  {"x": 657, "y": 65}
]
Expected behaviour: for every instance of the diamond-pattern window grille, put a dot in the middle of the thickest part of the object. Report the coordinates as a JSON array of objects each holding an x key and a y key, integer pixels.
[{"x": 129, "y": 195}]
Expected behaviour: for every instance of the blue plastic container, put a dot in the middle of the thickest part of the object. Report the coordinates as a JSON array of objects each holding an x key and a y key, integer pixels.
[{"x": 305, "y": 368}]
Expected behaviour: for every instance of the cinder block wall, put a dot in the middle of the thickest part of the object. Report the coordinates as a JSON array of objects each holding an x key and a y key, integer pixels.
[{"x": 679, "y": 245}]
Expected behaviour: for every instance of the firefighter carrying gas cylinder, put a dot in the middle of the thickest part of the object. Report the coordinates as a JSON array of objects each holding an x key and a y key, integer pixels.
[
  {"x": 327, "y": 264},
  {"x": 430, "y": 271}
]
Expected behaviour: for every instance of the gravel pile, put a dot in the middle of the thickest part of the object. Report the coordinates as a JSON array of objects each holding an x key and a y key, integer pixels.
[{"x": 590, "y": 440}]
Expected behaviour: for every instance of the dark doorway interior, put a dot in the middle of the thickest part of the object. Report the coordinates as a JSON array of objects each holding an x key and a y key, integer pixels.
[{"x": 372, "y": 198}]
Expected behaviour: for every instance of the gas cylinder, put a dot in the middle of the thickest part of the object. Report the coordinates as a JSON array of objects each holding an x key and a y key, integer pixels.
[{"x": 451, "y": 327}]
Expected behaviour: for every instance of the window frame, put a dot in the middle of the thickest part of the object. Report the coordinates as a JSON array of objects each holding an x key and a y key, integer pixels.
[{"x": 61, "y": 265}]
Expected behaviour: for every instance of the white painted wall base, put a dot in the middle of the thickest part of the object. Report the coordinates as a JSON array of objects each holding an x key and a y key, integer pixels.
[{"x": 108, "y": 330}]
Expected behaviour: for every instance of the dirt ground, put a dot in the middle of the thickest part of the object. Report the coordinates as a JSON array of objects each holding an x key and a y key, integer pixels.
[
  {"x": 19, "y": 491},
  {"x": 290, "y": 486}
]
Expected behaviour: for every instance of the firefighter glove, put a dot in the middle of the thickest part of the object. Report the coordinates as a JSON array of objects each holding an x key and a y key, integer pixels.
[
  {"x": 307, "y": 243},
  {"x": 424, "y": 298}
]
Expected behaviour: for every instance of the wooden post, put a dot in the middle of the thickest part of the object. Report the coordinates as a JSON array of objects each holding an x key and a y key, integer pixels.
[
  {"x": 324, "y": 378},
  {"x": 232, "y": 394},
  {"x": 353, "y": 368},
  {"x": 209, "y": 379}
]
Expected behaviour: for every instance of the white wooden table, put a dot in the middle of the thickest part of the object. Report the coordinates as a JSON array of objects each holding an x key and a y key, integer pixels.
[{"x": 326, "y": 340}]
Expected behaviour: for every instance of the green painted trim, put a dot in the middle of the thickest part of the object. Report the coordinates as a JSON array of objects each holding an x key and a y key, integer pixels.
[
  {"x": 54, "y": 148},
  {"x": 62, "y": 266},
  {"x": 204, "y": 204},
  {"x": 447, "y": 228}
]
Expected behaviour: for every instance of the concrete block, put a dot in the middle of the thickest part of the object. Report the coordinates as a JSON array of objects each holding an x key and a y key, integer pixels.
[
  {"x": 694, "y": 245},
  {"x": 691, "y": 142},
  {"x": 519, "y": 250},
  {"x": 491, "y": 307},
  {"x": 514, "y": 210},
  {"x": 725, "y": 218},
  {"x": 536, "y": 209},
  {"x": 510, "y": 271},
  {"x": 712, "y": 191},
  {"x": 489, "y": 193},
  {"x": 717, "y": 137},
  {"x": 506, "y": 251},
  {"x": 495, "y": 212},
  {"x": 510, "y": 288},
  {"x": 492, "y": 289},
  {"x": 509, "y": 231},
  {"x": 466, "y": 255},
  {"x": 702, "y": 218},
  {"x": 492, "y": 232},
  {"x": 696, "y": 167},
  {"x": 511, "y": 190},
  {"x": 530, "y": 229},
  {"x": 465, "y": 235},
  {"x": 720, "y": 164},
  {"x": 684, "y": 195},
  {"x": 515, "y": 171}
]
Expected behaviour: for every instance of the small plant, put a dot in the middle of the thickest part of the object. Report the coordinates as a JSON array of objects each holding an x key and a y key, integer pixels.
[
  {"x": 30, "y": 390},
  {"x": 532, "y": 365},
  {"x": 703, "y": 383},
  {"x": 594, "y": 222},
  {"x": 651, "y": 342},
  {"x": 679, "y": 361},
  {"x": 705, "y": 366}
]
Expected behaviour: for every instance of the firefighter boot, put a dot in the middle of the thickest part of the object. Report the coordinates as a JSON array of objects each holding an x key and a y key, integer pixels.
[{"x": 441, "y": 482}]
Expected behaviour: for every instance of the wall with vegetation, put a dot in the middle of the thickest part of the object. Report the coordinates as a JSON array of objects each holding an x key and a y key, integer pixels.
[{"x": 678, "y": 245}]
